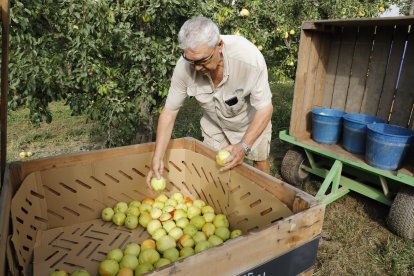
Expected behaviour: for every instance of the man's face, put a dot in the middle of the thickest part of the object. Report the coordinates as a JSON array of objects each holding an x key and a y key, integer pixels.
[{"x": 204, "y": 59}]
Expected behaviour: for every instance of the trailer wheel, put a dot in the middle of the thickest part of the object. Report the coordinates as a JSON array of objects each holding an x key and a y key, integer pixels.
[
  {"x": 291, "y": 170},
  {"x": 401, "y": 215}
]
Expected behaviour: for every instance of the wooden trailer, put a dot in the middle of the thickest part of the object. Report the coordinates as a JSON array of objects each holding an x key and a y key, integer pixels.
[{"x": 358, "y": 66}]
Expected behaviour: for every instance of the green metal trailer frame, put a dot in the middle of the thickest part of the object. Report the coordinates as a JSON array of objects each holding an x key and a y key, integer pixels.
[{"x": 342, "y": 175}]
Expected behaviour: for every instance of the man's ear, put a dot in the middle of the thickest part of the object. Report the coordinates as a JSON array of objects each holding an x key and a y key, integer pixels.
[{"x": 220, "y": 44}]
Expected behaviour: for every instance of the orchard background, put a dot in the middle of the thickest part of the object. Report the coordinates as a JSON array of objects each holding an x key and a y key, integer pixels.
[{"x": 112, "y": 59}]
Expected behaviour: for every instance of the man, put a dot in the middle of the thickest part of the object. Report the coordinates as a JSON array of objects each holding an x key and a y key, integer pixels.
[{"x": 227, "y": 75}]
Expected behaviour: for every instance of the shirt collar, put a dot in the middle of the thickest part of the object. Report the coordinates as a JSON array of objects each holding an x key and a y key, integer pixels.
[{"x": 226, "y": 62}]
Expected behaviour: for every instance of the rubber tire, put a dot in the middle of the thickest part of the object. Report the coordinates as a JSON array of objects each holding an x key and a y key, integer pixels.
[
  {"x": 290, "y": 169},
  {"x": 401, "y": 215}
]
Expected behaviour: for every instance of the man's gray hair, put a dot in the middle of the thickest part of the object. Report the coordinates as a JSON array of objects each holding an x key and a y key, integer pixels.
[{"x": 197, "y": 31}]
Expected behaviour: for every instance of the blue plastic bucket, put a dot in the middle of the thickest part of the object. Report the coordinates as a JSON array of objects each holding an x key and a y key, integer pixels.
[
  {"x": 355, "y": 131},
  {"x": 326, "y": 125},
  {"x": 387, "y": 145}
]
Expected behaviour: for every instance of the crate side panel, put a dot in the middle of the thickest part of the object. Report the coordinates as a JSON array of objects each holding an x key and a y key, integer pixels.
[
  {"x": 227, "y": 193},
  {"x": 377, "y": 70},
  {"x": 359, "y": 69},
  {"x": 28, "y": 215},
  {"x": 196, "y": 175},
  {"x": 250, "y": 207},
  {"x": 241, "y": 254},
  {"x": 331, "y": 69},
  {"x": 300, "y": 82},
  {"x": 390, "y": 81},
  {"x": 343, "y": 72},
  {"x": 404, "y": 96}
]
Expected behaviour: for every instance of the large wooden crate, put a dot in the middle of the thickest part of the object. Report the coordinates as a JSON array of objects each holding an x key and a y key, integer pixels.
[
  {"x": 54, "y": 207},
  {"x": 358, "y": 66}
]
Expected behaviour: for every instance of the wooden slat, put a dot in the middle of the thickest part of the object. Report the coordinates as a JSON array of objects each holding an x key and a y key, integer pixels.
[
  {"x": 304, "y": 125},
  {"x": 390, "y": 82},
  {"x": 331, "y": 69},
  {"x": 4, "y": 84},
  {"x": 354, "y": 22},
  {"x": 300, "y": 81},
  {"x": 343, "y": 71},
  {"x": 321, "y": 73},
  {"x": 359, "y": 69},
  {"x": 404, "y": 97},
  {"x": 5, "y": 202},
  {"x": 377, "y": 70}
]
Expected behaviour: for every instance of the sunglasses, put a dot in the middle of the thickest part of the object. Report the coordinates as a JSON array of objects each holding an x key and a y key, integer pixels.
[{"x": 199, "y": 61}]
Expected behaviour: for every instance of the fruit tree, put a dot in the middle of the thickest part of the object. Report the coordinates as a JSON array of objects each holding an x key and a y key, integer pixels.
[{"x": 112, "y": 59}]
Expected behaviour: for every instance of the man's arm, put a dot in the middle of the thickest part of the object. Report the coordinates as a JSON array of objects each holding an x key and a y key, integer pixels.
[
  {"x": 164, "y": 129},
  {"x": 260, "y": 120}
]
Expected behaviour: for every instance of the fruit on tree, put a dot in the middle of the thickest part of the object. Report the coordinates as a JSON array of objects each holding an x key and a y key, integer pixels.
[{"x": 244, "y": 13}]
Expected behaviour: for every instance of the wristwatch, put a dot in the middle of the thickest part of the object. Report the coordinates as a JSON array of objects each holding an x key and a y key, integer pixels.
[{"x": 246, "y": 148}]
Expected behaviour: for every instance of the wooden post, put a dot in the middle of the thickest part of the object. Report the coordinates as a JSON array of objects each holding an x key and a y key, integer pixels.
[{"x": 4, "y": 84}]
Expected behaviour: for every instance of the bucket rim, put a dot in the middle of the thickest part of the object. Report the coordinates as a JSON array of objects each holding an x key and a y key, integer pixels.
[
  {"x": 317, "y": 110},
  {"x": 349, "y": 117},
  {"x": 408, "y": 132}
]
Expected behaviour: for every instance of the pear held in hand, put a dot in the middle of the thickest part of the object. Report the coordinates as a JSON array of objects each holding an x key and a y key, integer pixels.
[
  {"x": 221, "y": 156},
  {"x": 158, "y": 184}
]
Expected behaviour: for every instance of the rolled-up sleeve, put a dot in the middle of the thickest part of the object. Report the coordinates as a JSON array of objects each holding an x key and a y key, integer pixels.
[
  {"x": 261, "y": 95},
  {"x": 178, "y": 88}
]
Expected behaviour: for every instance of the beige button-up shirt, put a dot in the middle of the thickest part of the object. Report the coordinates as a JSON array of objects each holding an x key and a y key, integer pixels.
[{"x": 245, "y": 81}]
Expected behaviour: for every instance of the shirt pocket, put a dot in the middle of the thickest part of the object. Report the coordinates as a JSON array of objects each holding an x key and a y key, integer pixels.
[
  {"x": 204, "y": 97},
  {"x": 234, "y": 103}
]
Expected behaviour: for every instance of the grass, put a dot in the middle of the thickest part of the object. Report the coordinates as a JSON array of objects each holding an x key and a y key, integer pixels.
[
  {"x": 355, "y": 240},
  {"x": 65, "y": 134}
]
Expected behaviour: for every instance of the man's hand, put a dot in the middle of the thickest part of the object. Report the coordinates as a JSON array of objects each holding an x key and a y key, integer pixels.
[
  {"x": 157, "y": 169},
  {"x": 236, "y": 157}
]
